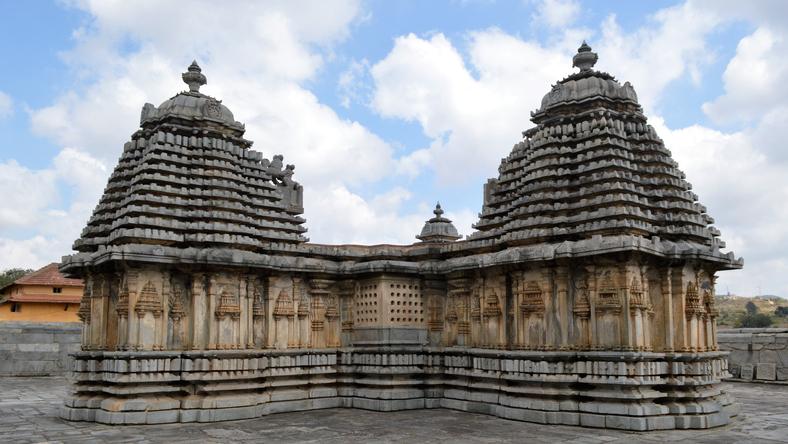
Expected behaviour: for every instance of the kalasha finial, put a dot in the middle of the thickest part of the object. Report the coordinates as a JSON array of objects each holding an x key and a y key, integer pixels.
[
  {"x": 194, "y": 77},
  {"x": 584, "y": 59},
  {"x": 438, "y": 212}
]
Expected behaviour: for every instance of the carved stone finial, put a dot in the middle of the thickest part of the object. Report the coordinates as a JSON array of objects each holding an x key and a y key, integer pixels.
[
  {"x": 438, "y": 229},
  {"x": 584, "y": 59},
  {"x": 438, "y": 212},
  {"x": 194, "y": 77}
]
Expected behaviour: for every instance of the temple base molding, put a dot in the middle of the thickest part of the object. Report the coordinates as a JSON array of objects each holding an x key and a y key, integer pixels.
[{"x": 629, "y": 391}]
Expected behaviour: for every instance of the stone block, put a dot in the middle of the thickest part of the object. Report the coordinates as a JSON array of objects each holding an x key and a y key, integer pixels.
[
  {"x": 766, "y": 371},
  {"x": 592, "y": 420},
  {"x": 570, "y": 418},
  {"x": 163, "y": 417},
  {"x": 747, "y": 372}
]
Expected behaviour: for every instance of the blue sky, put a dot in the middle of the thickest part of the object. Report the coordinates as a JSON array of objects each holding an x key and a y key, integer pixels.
[{"x": 386, "y": 107}]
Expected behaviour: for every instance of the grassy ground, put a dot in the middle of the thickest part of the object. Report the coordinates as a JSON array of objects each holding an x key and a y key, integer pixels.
[{"x": 734, "y": 306}]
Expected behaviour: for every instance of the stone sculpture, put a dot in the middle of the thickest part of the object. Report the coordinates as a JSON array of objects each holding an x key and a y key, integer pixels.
[{"x": 582, "y": 298}]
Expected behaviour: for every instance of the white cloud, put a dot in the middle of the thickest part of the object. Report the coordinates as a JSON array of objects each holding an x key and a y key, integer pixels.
[
  {"x": 755, "y": 79},
  {"x": 6, "y": 105},
  {"x": 672, "y": 46},
  {"x": 29, "y": 253},
  {"x": 33, "y": 201},
  {"x": 472, "y": 122},
  {"x": 742, "y": 188},
  {"x": 343, "y": 217},
  {"x": 26, "y": 195},
  {"x": 556, "y": 13}
]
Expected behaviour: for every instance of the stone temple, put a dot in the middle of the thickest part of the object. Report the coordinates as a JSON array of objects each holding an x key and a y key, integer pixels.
[{"x": 584, "y": 297}]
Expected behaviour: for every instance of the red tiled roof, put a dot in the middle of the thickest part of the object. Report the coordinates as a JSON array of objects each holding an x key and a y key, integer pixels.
[
  {"x": 49, "y": 275},
  {"x": 48, "y": 298}
]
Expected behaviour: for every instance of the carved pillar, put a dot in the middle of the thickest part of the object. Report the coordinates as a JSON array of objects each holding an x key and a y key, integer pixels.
[
  {"x": 461, "y": 292},
  {"x": 270, "y": 305},
  {"x": 627, "y": 327},
  {"x": 197, "y": 312},
  {"x": 516, "y": 284},
  {"x": 293, "y": 330},
  {"x": 693, "y": 311},
  {"x": 85, "y": 311},
  {"x": 318, "y": 292},
  {"x": 122, "y": 310},
  {"x": 132, "y": 278},
  {"x": 451, "y": 320},
  {"x": 596, "y": 344},
  {"x": 666, "y": 275},
  {"x": 582, "y": 312},
  {"x": 177, "y": 312},
  {"x": 679, "y": 313},
  {"x": 713, "y": 313},
  {"x": 551, "y": 330},
  {"x": 332, "y": 318},
  {"x": 258, "y": 316},
  {"x": 478, "y": 336},
  {"x": 347, "y": 291},
  {"x": 561, "y": 308},
  {"x": 161, "y": 324},
  {"x": 435, "y": 292},
  {"x": 213, "y": 333},
  {"x": 96, "y": 305},
  {"x": 244, "y": 324}
]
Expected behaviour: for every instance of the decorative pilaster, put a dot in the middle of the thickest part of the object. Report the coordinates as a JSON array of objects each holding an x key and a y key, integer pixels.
[{"x": 582, "y": 312}]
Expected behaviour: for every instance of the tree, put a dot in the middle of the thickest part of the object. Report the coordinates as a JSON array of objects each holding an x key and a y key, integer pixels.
[
  {"x": 751, "y": 308},
  {"x": 759, "y": 320},
  {"x": 10, "y": 275},
  {"x": 781, "y": 311}
]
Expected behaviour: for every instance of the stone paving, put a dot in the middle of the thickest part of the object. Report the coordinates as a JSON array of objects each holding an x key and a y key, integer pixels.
[{"x": 29, "y": 406}]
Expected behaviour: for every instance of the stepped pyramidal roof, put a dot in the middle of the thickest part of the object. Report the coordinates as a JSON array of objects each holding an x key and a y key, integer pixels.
[
  {"x": 591, "y": 166},
  {"x": 188, "y": 178}
]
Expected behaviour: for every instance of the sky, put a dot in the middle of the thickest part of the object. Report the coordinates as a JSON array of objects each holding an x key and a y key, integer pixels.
[{"x": 386, "y": 107}]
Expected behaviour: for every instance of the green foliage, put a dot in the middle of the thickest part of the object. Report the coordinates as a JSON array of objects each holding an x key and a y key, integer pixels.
[
  {"x": 781, "y": 311},
  {"x": 10, "y": 275},
  {"x": 759, "y": 320},
  {"x": 751, "y": 308}
]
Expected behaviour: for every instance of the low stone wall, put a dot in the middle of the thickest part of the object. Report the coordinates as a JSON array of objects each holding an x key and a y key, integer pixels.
[
  {"x": 756, "y": 353},
  {"x": 37, "y": 348}
]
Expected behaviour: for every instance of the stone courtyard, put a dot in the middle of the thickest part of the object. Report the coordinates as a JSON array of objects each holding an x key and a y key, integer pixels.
[{"x": 29, "y": 414}]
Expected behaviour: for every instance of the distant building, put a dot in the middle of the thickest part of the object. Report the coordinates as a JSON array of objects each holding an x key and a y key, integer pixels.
[{"x": 42, "y": 296}]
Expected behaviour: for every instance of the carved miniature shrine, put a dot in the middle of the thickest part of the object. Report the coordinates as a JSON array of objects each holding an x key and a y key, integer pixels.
[{"x": 585, "y": 297}]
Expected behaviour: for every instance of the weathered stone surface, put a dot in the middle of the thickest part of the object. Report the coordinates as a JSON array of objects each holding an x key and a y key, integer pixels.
[
  {"x": 35, "y": 349},
  {"x": 747, "y": 372},
  {"x": 766, "y": 372}
]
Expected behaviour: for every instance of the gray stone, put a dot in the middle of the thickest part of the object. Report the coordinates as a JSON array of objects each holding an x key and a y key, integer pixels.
[
  {"x": 767, "y": 372},
  {"x": 747, "y": 372}
]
